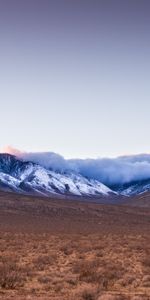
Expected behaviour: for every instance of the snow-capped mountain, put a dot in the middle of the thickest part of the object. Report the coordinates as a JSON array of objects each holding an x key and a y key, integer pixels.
[
  {"x": 31, "y": 178},
  {"x": 135, "y": 188},
  {"x": 28, "y": 177}
]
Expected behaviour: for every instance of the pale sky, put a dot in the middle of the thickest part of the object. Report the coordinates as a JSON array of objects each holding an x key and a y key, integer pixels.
[{"x": 75, "y": 76}]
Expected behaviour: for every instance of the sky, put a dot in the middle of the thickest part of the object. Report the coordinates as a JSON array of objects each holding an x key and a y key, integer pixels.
[{"x": 75, "y": 76}]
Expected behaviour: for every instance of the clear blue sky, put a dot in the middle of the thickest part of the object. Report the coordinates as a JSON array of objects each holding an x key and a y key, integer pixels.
[{"x": 75, "y": 76}]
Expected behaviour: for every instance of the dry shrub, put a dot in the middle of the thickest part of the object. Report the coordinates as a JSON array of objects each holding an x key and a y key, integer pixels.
[
  {"x": 44, "y": 279},
  {"x": 146, "y": 281},
  {"x": 95, "y": 271},
  {"x": 127, "y": 280},
  {"x": 58, "y": 287},
  {"x": 11, "y": 275},
  {"x": 66, "y": 249},
  {"x": 86, "y": 293},
  {"x": 146, "y": 262},
  {"x": 87, "y": 270},
  {"x": 42, "y": 261},
  {"x": 71, "y": 279},
  {"x": 112, "y": 271},
  {"x": 89, "y": 273},
  {"x": 69, "y": 247}
]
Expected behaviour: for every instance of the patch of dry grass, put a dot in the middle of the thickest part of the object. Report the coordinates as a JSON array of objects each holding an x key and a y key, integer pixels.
[
  {"x": 11, "y": 274},
  {"x": 74, "y": 267},
  {"x": 52, "y": 249}
]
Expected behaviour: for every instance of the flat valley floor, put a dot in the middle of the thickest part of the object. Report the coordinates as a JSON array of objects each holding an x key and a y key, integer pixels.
[{"x": 72, "y": 250}]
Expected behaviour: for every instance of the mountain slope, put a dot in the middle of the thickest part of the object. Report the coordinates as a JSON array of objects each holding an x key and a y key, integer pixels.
[
  {"x": 28, "y": 177},
  {"x": 136, "y": 188},
  {"x": 31, "y": 178}
]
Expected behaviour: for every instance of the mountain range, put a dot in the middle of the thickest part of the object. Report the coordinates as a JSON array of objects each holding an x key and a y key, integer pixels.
[{"x": 27, "y": 177}]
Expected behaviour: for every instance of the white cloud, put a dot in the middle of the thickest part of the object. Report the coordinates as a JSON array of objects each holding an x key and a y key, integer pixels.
[{"x": 108, "y": 170}]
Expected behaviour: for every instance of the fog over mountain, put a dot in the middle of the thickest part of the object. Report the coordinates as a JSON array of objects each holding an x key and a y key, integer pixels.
[{"x": 110, "y": 171}]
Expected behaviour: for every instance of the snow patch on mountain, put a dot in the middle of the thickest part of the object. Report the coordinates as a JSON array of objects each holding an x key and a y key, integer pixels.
[{"x": 30, "y": 177}]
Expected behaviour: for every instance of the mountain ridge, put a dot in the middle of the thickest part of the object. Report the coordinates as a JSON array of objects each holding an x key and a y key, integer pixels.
[{"x": 28, "y": 177}]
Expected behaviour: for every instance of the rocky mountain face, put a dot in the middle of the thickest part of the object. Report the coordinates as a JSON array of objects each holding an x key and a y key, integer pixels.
[
  {"x": 133, "y": 188},
  {"x": 29, "y": 178}
]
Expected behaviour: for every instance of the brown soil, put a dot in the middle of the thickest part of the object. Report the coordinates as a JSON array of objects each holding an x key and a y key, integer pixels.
[{"x": 71, "y": 250}]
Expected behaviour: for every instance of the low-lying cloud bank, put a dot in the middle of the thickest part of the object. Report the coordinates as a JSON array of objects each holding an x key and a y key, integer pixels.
[{"x": 110, "y": 171}]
